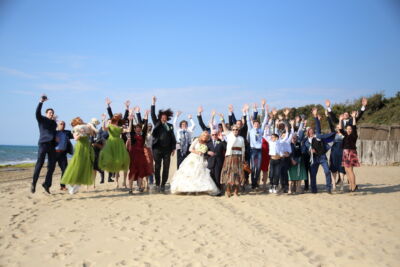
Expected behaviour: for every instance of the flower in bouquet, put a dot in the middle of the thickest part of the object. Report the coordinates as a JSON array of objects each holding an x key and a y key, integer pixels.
[{"x": 203, "y": 148}]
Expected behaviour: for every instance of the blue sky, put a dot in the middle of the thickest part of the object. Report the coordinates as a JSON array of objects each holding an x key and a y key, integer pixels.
[{"x": 190, "y": 53}]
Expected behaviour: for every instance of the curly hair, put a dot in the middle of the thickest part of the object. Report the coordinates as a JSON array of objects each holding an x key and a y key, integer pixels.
[
  {"x": 182, "y": 122},
  {"x": 76, "y": 121},
  {"x": 168, "y": 112}
]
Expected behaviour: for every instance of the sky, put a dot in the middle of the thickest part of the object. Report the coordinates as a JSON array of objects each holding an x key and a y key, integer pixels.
[{"x": 190, "y": 53}]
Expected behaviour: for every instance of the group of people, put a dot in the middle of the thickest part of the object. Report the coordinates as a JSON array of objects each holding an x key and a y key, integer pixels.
[{"x": 226, "y": 157}]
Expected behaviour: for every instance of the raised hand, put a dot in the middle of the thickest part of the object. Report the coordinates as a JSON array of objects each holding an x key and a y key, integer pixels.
[
  {"x": 286, "y": 112},
  {"x": 178, "y": 113},
  {"x": 263, "y": 102},
  {"x": 341, "y": 117},
  {"x": 200, "y": 109},
  {"x": 297, "y": 119},
  {"x": 190, "y": 116},
  {"x": 364, "y": 102},
  {"x": 230, "y": 108},
  {"x": 154, "y": 100},
  {"x": 246, "y": 108},
  {"x": 127, "y": 104},
  {"x": 137, "y": 109},
  {"x": 280, "y": 117},
  {"x": 314, "y": 112},
  {"x": 291, "y": 123},
  {"x": 43, "y": 98},
  {"x": 274, "y": 112},
  {"x": 305, "y": 123},
  {"x": 255, "y": 106},
  {"x": 103, "y": 117},
  {"x": 146, "y": 114},
  {"x": 328, "y": 103},
  {"x": 354, "y": 114},
  {"x": 213, "y": 113},
  {"x": 326, "y": 113},
  {"x": 130, "y": 117},
  {"x": 108, "y": 101},
  {"x": 221, "y": 115}
]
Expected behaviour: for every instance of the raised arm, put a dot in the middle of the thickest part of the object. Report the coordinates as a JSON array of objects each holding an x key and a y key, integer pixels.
[
  {"x": 364, "y": 103},
  {"x": 226, "y": 131},
  {"x": 212, "y": 123},
  {"x": 331, "y": 114},
  {"x": 145, "y": 122},
  {"x": 231, "y": 115},
  {"x": 153, "y": 110},
  {"x": 109, "y": 111},
  {"x": 200, "y": 119},
  {"x": 138, "y": 115},
  {"x": 317, "y": 121},
  {"x": 192, "y": 123},
  {"x": 175, "y": 120},
  {"x": 127, "y": 104},
  {"x": 38, "y": 112}
]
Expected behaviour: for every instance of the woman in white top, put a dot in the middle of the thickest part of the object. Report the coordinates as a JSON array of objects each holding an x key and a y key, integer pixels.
[
  {"x": 183, "y": 137},
  {"x": 232, "y": 174}
]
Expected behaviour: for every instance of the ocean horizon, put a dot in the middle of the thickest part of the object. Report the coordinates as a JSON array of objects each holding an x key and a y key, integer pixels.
[{"x": 17, "y": 154}]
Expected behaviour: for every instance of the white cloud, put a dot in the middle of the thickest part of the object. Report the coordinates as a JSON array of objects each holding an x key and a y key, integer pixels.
[{"x": 17, "y": 73}]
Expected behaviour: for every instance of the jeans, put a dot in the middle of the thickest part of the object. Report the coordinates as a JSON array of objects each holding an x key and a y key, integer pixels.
[
  {"x": 285, "y": 165},
  {"x": 49, "y": 150},
  {"x": 255, "y": 164},
  {"x": 323, "y": 161},
  {"x": 275, "y": 171}
]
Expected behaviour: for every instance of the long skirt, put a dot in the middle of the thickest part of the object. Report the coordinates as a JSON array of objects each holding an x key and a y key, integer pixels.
[
  {"x": 148, "y": 154},
  {"x": 350, "y": 158},
  {"x": 232, "y": 171},
  {"x": 297, "y": 172},
  {"x": 265, "y": 158},
  {"x": 80, "y": 169}
]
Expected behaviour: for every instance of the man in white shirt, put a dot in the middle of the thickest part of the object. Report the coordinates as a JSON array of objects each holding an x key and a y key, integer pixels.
[{"x": 183, "y": 137}]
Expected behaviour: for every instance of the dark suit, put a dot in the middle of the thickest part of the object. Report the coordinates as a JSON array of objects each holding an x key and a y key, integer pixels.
[
  {"x": 164, "y": 143},
  {"x": 47, "y": 129},
  {"x": 61, "y": 155},
  {"x": 215, "y": 163}
]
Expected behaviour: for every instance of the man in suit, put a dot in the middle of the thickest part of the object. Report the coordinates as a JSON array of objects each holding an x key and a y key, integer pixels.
[
  {"x": 164, "y": 143},
  {"x": 215, "y": 157},
  {"x": 47, "y": 128},
  {"x": 63, "y": 148}
]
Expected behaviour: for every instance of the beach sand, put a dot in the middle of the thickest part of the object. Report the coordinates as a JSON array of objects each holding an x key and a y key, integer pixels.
[{"x": 106, "y": 227}]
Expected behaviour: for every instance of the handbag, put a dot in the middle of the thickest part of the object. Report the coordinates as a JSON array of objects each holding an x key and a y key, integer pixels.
[{"x": 246, "y": 167}]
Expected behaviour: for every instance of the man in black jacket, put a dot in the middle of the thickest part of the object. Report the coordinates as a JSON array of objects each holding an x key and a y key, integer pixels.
[
  {"x": 164, "y": 143},
  {"x": 47, "y": 127}
]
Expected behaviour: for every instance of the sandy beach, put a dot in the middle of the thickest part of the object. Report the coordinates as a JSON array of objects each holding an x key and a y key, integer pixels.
[{"x": 106, "y": 227}]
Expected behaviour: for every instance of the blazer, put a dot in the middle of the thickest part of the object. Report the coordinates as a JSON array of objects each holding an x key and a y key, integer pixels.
[
  {"x": 160, "y": 130},
  {"x": 47, "y": 127},
  {"x": 219, "y": 150}
]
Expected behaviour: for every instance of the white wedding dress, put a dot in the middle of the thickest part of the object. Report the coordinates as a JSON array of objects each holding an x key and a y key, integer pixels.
[{"x": 193, "y": 176}]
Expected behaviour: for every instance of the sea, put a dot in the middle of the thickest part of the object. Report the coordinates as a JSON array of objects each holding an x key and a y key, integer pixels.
[{"x": 12, "y": 155}]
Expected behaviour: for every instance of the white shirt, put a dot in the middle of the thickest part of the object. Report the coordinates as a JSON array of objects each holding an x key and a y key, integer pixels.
[
  {"x": 285, "y": 142},
  {"x": 234, "y": 141},
  {"x": 179, "y": 132}
]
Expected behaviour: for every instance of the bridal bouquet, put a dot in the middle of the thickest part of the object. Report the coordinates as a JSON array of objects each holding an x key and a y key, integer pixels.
[
  {"x": 81, "y": 130},
  {"x": 203, "y": 149}
]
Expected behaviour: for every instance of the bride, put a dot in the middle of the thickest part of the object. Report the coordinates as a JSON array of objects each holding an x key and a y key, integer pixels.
[{"x": 193, "y": 175}]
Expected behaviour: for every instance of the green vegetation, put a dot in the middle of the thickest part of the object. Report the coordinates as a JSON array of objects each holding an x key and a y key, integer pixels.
[
  {"x": 23, "y": 165},
  {"x": 380, "y": 110}
]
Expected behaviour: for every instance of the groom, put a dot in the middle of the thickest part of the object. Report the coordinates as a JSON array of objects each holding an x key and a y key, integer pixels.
[
  {"x": 47, "y": 143},
  {"x": 164, "y": 143}
]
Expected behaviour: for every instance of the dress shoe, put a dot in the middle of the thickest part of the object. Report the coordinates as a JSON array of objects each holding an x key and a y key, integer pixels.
[
  {"x": 33, "y": 188},
  {"x": 110, "y": 180},
  {"x": 102, "y": 181},
  {"x": 162, "y": 189},
  {"x": 46, "y": 188}
]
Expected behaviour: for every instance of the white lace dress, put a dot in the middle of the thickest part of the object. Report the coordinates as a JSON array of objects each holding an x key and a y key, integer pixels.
[{"x": 193, "y": 176}]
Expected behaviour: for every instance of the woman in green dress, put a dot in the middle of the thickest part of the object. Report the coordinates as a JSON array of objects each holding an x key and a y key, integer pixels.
[
  {"x": 80, "y": 169},
  {"x": 297, "y": 171},
  {"x": 114, "y": 157}
]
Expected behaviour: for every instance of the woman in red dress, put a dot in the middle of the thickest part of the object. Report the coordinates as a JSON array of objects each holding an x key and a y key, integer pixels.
[
  {"x": 138, "y": 169},
  {"x": 264, "y": 161}
]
